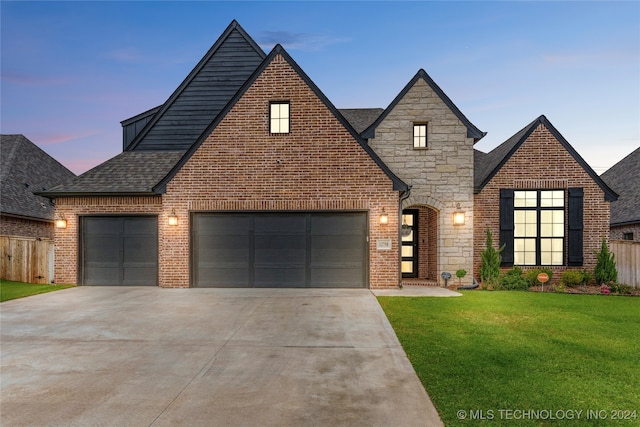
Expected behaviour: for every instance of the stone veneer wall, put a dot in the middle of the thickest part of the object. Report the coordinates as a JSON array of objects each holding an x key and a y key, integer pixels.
[
  {"x": 542, "y": 162},
  {"x": 441, "y": 175}
]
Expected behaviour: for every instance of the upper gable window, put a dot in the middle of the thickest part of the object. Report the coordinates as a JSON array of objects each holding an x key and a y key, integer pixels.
[
  {"x": 279, "y": 117},
  {"x": 419, "y": 135}
]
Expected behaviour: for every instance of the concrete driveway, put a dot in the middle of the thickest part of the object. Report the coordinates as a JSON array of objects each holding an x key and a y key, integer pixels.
[{"x": 205, "y": 357}]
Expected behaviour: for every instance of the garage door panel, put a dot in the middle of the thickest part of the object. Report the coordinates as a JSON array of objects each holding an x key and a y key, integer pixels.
[
  {"x": 336, "y": 277},
  {"x": 223, "y": 225},
  {"x": 352, "y": 224},
  {"x": 274, "y": 277},
  {"x": 119, "y": 250},
  {"x": 279, "y": 250}
]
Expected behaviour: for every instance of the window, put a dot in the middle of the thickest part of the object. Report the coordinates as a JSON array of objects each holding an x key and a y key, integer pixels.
[
  {"x": 538, "y": 227},
  {"x": 419, "y": 135},
  {"x": 627, "y": 236},
  {"x": 279, "y": 117}
]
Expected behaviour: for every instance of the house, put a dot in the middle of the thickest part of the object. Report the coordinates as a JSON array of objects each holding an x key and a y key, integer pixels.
[
  {"x": 25, "y": 168},
  {"x": 548, "y": 207},
  {"x": 624, "y": 178},
  {"x": 248, "y": 176}
]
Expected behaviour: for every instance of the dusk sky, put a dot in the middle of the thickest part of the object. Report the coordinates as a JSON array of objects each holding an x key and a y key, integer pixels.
[{"x": 71, "y": 71}]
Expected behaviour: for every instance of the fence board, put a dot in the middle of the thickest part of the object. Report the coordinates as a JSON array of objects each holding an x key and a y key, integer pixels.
[
  {"x": 627, "y": 261},
  {"x": 26, "y": 259}
]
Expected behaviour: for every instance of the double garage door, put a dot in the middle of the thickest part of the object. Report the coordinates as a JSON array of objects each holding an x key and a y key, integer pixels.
[
  {"x": 320, "y": 250},
  {"x": 289, "y": 250}
]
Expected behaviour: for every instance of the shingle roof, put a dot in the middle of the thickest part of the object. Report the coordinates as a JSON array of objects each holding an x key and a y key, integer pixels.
[
  {"x": 398, "y": 184},
  {"x": 25, "y": 169},
  {"x": 361, "y": 118},
  {"x": 488, "y": 165},
  {"x": 129, "y": 173},
  {"x": 472, "y": 130},
  {"x": 202, "y": 95},
  {"x": 624, "y": 178}
]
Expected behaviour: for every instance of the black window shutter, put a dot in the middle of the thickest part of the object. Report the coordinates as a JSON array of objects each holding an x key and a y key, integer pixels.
[
  {"x": 506, "y": 226},
  {"x": 576, "y": 226}
]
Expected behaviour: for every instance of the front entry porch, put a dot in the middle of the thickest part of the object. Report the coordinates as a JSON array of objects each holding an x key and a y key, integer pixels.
[{"x": 419, "y": 246}]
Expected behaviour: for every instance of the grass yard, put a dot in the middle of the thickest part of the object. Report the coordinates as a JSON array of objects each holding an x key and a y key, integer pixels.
[
  {"x": 524, "y": 358},
  {"x": 12, "y": 290}
]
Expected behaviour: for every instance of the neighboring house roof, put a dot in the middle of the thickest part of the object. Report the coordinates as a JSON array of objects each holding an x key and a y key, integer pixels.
[
  {"x": 398, "y": 184},
  {"x": 487, "y": 165},
  {"x": 25, "y": 169},
  {"x": 202, "y": 95},
  {"x": 624, "y": 178},
  {"x": 361, "y": 118},
  {"x": 129, "y": 173},
  {"x": 472, "y": 131}
]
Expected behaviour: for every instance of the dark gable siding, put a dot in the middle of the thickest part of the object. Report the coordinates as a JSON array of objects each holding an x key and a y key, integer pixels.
[{"x": 205, "y": 96}]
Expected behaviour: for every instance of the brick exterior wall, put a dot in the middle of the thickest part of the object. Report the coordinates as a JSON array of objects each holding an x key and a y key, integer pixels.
[
  {"x": 541, "y": 162},
  {"x": 318, "y": 166},
  {"x": 428, "y": 243},
  {"x": 619, "y": 231},
  {"x": 67, "y": 239},
  {"x": 13, "y": 226},
  {"x": 441, "y": 176}
]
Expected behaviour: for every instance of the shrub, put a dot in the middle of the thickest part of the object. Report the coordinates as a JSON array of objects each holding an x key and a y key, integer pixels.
[
  {"x": 460, "y": 274},
  {"x": 514, "y": 280},
  {"x": 491, "y": 259},
  {"x": 532, "y": 275},
  {"x": 572, "y": 278},
  {"x": 618, "y": 288},
  {"x": 606, "y": 271},
  {"x": 586, "y": 277}
]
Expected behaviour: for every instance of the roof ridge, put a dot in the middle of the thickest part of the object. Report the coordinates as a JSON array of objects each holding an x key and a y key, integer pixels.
[
  {"x": 472, "y": 130},
  {"x": 278, "y": 49}
]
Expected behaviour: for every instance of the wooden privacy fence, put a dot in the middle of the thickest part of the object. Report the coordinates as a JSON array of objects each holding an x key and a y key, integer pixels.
[
  {"x": 627, "y": 261},
  {"x": 26, "y": 259}
]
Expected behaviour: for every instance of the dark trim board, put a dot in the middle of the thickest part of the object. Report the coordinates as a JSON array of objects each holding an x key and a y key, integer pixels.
[{"x": 289, "y": 249}]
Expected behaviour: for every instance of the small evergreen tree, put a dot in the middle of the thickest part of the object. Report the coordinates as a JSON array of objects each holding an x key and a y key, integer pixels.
[
  {"x": 491, "y": 259},
  {"x": 605, "y": 271}
]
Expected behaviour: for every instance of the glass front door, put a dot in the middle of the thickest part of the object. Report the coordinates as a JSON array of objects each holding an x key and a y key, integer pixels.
[{"x": 409, "y": 243}]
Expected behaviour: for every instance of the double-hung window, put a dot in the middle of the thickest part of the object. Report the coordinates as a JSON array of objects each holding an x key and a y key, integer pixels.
[
  {"x": 538, "y": 227},
  {"x": 279, "y": 117},
  {"x": 419, "y": 135}
]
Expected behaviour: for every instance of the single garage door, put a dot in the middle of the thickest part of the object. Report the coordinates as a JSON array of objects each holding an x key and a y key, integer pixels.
[
  {"x": 119, "y": 250},
  {"x": 281, "y": 250}
]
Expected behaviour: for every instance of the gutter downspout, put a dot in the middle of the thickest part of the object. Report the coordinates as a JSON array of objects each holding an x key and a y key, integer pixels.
[{"x": 403, "y": 196}]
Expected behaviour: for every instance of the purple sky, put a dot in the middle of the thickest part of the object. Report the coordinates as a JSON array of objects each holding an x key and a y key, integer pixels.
[{"x": 71, "y": 71}]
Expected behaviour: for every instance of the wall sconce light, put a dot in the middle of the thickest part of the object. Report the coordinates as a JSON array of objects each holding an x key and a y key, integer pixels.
[
  {"x": 458, "y": 216},
  {"x": 384, "y": 218},
  {"x": 61, "y": 222},
  {"x": 173, "y": 218}
]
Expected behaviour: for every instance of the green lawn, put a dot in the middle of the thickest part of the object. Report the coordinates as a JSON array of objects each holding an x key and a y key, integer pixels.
[
  {"x": 487, "y": 357},
  {"x": 12, "y": 290}
]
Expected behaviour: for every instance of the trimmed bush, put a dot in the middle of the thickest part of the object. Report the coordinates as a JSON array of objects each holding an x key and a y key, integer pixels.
[
  {"x": 572, "y": 278},
  {"x": 514, "y": 280}
]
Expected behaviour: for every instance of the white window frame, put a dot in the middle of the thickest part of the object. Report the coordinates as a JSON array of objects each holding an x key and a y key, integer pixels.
[
  {"x": 279, "y": 117},
  {"x": 420, "y": 136}
]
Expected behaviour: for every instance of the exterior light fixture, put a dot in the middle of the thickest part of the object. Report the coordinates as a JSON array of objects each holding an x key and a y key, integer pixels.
[
  {"x": 458, "y": 216},
  {"x": 173, "y": 218},
  {"x": 384, "y": 218},
  {"x": 61, "y": 222}
]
